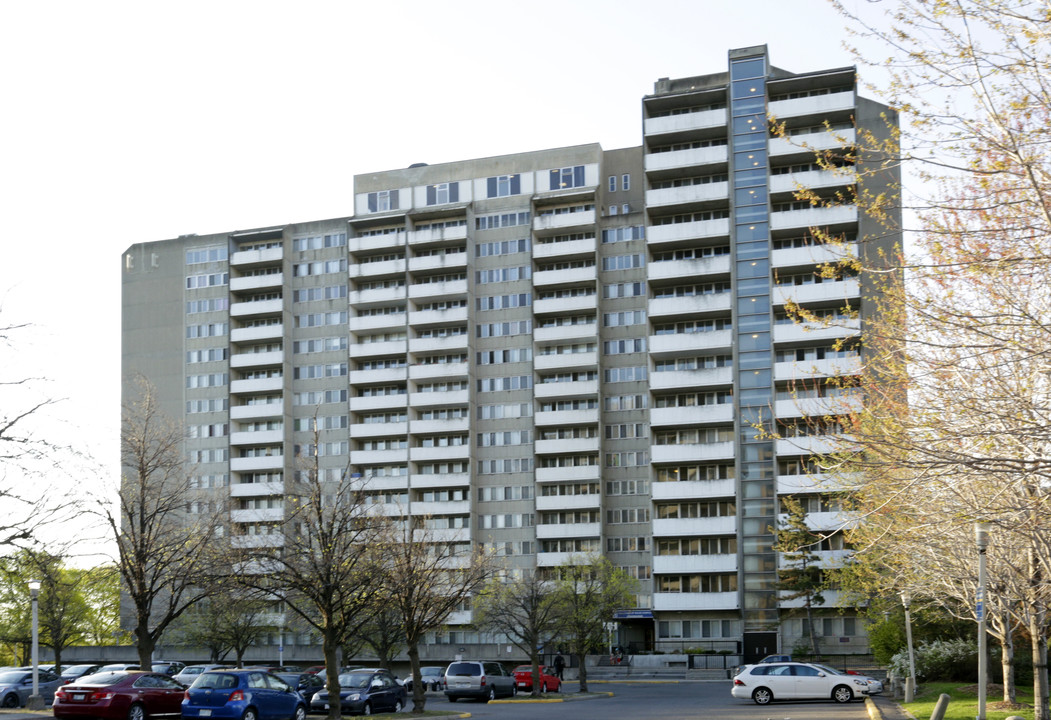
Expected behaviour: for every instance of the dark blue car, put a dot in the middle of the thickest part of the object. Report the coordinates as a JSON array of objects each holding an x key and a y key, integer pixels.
[
  {"x": 242, "y": 695},
  {"x": 363, "y": 692}
]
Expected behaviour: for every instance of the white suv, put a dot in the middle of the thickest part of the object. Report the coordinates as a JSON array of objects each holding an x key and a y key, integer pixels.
[
  {"x": 795, "y": 680},
  {"x": 479, "y": 680}
]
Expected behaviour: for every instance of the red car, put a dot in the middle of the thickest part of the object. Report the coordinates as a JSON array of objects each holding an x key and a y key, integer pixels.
[
  {"x": 128, "y": 695},
  {"x": 548, "y": 680}
]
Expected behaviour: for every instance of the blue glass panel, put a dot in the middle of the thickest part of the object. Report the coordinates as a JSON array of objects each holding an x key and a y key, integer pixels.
[
  {"x": 749, "y": 160},
  {"x": 752, "y": 360},
  {"x": 753, "y": 231},
  {"x": 747, "y": 88},
  {"x": 747, "y": 106},
  {"x": 750, "y": 196},
  {"x": 753, "y": 268},
  {"x": 760, "y": 507},
  {"x": 753, "y": 306},
  {"x": 752, "y": 67},
  {"x": 752, "y": 141},
  {"x": 750, "y": 124},
  {"x": 754, "y": 286},
  {"x": 751, "y": 212},
  {"x": 754, "y": 341},
  {"x": 758, "y": 453},
  {"x": 755, "y": 379},
  {"x": 744, "y": 178}
]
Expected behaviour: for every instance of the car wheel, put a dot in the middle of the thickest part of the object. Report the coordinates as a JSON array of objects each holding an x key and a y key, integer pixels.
[
  {"x": 301, "y": 713},
  {"x": 367, "y": 710},
  {"x": 11, "y": 701},
  {"x": 491, "y": 695},
  {"x": 136, "y": 712},
  {"x": 451, "y": 698},
  {"x": 842, "y": 694},
  {"x": 250, "y": 714},
  {"x": 397, "y": 706},
  {"x": 762, "y": 696}
]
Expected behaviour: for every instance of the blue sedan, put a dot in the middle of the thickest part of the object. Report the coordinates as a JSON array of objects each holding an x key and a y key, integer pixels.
[
  {"x": 363, "y": 692},
  {"x": 242, "y": 695}
]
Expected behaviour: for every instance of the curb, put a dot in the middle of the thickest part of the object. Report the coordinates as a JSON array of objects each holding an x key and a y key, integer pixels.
[
  {"x": 541, "y": 701},
  {"x": 874, "y": 711}
]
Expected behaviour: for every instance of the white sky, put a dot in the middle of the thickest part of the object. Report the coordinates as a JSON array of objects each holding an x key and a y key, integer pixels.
[{"x": 125, "y": 122}]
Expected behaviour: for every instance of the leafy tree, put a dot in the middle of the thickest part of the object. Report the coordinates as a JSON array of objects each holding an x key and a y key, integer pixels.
[
  {"x": 100, "y": 587},
  {"x": 589, "y": 591},
  {"x": 524, "y": 609},
  {"x": 801, "y": 575}
]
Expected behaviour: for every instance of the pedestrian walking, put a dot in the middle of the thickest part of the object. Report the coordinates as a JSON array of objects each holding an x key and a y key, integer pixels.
[{"x": 560, "y": 665}]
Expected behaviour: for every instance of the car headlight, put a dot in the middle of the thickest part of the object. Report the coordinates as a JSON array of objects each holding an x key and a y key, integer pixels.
[
  {"x": 355, "y": 696},
  {"x": 862, "y": 683}
]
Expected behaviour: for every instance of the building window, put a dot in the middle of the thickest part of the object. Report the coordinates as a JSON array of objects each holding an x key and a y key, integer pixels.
[
  {"x": 383, "y": 200},
  {"x": 504, "y": 185},
  {"x": 567, "y": 177},
  {"x": 625, "y": 209},
  {"x": 613, "y": 183},
  {"x": 443, "y": 193},
  {"x": 612, "y": 209},
  {"x": 625, "y": 182}
]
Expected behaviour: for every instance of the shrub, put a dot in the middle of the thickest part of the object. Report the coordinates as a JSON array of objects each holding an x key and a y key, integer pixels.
[{"x": 940, "y": 660}]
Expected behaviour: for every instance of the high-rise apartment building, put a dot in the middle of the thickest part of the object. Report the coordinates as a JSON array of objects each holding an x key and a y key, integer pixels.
[{"x": 558, "y": 352}]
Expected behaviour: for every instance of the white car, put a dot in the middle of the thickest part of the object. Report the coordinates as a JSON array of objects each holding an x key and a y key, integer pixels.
[{"x": 796, "y": 681}]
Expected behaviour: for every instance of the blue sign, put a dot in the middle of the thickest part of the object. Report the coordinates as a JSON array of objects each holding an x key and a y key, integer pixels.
[
  {"x": 628, "y": 614},
  {"x": 980, "y": 610}
]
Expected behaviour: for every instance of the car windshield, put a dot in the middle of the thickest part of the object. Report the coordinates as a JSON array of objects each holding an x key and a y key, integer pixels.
[
  {"x": 10, "y": 678},
  {"x": 831, "y": 671},
  {"x": 354, "y": 680},
  {"x": 76, "y": 669},
  {"x": 463, "y": 669},
  {"x": 102, "y": 678},
  {"x": 213, "y": 681}
]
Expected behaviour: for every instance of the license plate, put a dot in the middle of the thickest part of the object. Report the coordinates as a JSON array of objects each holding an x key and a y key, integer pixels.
[
  {"x": 326, "y": 706},
  {"x": 521, "y": 684},
  {"x": 78, "y": 696},
  {"x": 206, "y": 713}
]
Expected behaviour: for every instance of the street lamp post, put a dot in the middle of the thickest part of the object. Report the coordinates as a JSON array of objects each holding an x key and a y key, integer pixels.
[
  {"x": 981, "y": 538},
  {"x": 910, "y": 681},
  {"x": 35, "y": 702}
]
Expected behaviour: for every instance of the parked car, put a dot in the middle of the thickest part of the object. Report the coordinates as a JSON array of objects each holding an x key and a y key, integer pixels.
[
  {"x": 73, "y": 672},
  {"x": 238, "y": 694},
  {"x": 875, "y": 686},
  {"x": 17, "y": 685},
  {"x": 132, "y": 695},
  {"x": 119, "y": 667},
  {"x": 548, "y": 680},
  {"x": 306, "y": 683},
  {"x": 190, "y": 673},
  {"x": 776, "y": 658},
  {"x": 364, "y": 692},
  {"x": 170, "y": 669},
  {"x": 432, "y": 677},
  {"x": 765, "y": 682},
  {"x": 479, "y": 680}
]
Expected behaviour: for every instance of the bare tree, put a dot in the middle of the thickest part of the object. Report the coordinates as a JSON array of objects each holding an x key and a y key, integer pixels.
[
  {"x": 526, "y": 610},
  {"x": 165, "y": 552}
]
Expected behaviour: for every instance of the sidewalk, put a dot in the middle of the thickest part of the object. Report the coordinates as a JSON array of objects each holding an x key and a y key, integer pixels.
[{"x": 881, "y": 707}]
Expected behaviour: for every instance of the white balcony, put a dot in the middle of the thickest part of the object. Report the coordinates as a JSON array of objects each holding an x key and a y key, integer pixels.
[
  {"x": 695, "y": 415},
  {"x": 691, "y": 527},
  {"x": 257, "y": 282},
  {"x": 457, "y": 507},
  {"x": 680, "y": 232},
  {"x": 565, "y": 305},
  {"x": 554, "y": 559},
  {"x": 444, "y": 398},
  {"x": 452, "y": 316},
  {"x": 567, "y": 248},
  {"x": 376, "y": 269},
  {"x": 444, "y": 480},
  {"x": 257, "y": 437},
  {"x": 578, "y": 388},
  {"x": 381, "y": 376},
  {"x": 576, "y": 473},
  {"x": 386, "y": 483},
  {"x": 456, "y": 370},
  {"x": 257, "y": 541},
  {"x": 391, "y": 321},
  {"x": 263, "y": 332},
  {"x": 691, "y": 453},
  {"x": 379, "y": 457},
  {"x": 257, "y": 386},
  {"x": 833, "y": 599},
  {"x": 685, "y": 122},
  {"x": 569, "y": 276},
  {"x": 567, "y": 417},
  {"x": 264, "y": 256},
  {"x": 681, "y": 379},
  {"x": 686, "y": 195},
  {"x": 563, "y": 222},
  {"x": 568, "y": 502},
  {"x": 810, "y": 180},
  {"x": 369, "y": 243},
  {"x": 809, "y": 369},
  {"x": 568, "y": 361},
  {"x": 377, "y": 296},
  {"x": 438, "y": 454},
  {"x": 437, "y": 235},
  {"x": 814, "y": 445},
  {"x": 688, "y": 269},
  {"x": 379, "y": 349},
  {"x": 817, "y": 407},
  {"x": 445, "y": 261},
  {"x": 255, "y": 308},
  {"x": 266, "y": 462},
  {"x": 448, "y": 289},
  {"x": 258, "y": 410},
  {"x": 257, "y": 489},
  {"x": 555, "y": 333},
  {"x": 690, "y": 305},
  {"x": 683, "y": 564},
  {"x": 681, "y": 344},
  {"x": 562, "y": 446},
  {"x": 443, "y": 535},
  {"x": 828, "y": 291},
  {"x": 820, "y": 254},
  {"x": 826, "y": 521},
  {"x": 432, "y": 427},
  {"x": 368, "y": 430},
  {"x": 254, "y": 359},
  {"x": 809, "y": 143},
  {"x": 379, "y": 402},
  {"x": 819, "y": 482},
  {"x": 814, "y": 217},
  {"x": 814, "y": 332},
  {"x": 449, "y": 343},
  {"x": 568, "y": 530},
  {"x": 695, "y": 601},
  {"x": 820, "y": 105},
  {"x": 256, "y": 516},
  {"x": 691, "y": 489},
  {"x": 681, "y": 159}
]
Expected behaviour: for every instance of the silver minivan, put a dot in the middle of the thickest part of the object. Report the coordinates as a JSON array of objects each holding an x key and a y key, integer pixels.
[{"x": 479, "y": 680}]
